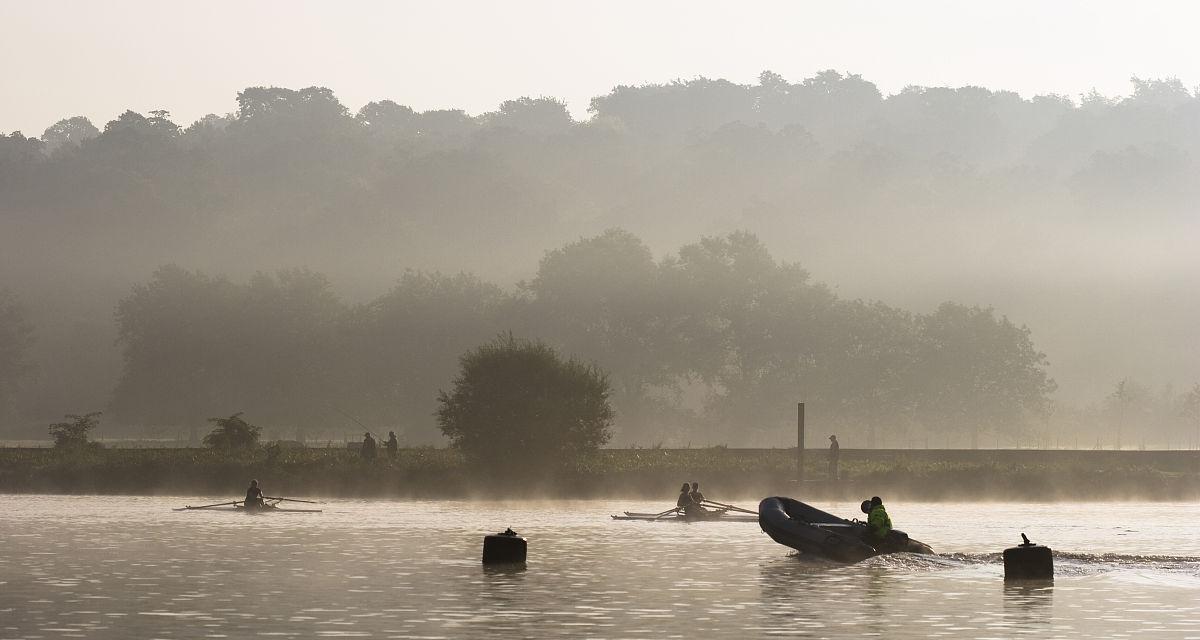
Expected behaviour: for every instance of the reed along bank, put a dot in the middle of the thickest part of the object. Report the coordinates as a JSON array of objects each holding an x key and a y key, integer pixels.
[{"x": 741, "y": 474}]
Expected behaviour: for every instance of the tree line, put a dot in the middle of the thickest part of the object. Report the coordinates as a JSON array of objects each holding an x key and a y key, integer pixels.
[
  {"x": 915, "y": 187},
  {"x": 710, "y": 345}
]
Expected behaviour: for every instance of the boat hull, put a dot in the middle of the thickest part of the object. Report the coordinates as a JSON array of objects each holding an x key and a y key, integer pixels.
[
  {"x": 710, "y": 516},
  {"x": 817, "y": 533}
]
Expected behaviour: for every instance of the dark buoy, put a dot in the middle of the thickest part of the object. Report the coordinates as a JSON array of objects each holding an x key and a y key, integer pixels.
[
  {"x": 1028, "y": 561},
  {"x": 504, "y": 548}
]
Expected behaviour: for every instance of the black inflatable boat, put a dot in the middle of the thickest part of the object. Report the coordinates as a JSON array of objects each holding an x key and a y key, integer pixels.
[{"x": 813, "y": 532}]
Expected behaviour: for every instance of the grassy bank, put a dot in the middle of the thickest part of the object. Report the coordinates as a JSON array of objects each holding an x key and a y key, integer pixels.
[{"x": 633, "y": 473}]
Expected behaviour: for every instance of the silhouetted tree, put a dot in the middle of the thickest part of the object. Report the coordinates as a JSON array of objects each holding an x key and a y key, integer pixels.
[
  {"x": 232, "y": 433},
  {"x": 69, "y": 132},
  {"x": 518, "y": 405},
  {"x": 73, "y": 435}
]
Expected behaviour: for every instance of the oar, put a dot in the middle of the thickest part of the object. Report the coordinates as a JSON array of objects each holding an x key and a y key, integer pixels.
[
  {"x": 290, "y": 500},
  {"x": 729, "y": 507},
  {"x": 208, "y": 506},
  {"x": 665, "y": 513}
]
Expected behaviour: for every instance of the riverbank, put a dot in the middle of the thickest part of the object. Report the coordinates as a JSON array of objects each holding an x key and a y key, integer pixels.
[{"x": 743, "y": 474}]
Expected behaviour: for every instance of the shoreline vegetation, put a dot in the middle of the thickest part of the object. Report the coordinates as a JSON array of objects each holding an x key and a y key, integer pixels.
[{"x": 648, "y": 474}]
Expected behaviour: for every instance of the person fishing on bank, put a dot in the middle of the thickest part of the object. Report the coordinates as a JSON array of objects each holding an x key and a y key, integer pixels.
[
  {"x": 392, "y": 445},
  {"x": 254, "y": 496},
  {"x": 368, "y": 447},
  {"x": 835, "y": 455}
]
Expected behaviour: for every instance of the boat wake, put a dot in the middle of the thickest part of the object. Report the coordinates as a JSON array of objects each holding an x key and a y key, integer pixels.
[{"x": 1066, "y": 564}]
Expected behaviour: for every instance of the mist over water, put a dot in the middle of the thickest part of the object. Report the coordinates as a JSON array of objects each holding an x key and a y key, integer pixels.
[{"x": 130, "y": 567}]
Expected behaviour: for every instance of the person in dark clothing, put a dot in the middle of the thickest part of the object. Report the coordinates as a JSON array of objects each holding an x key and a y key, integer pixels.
[
  {"x": 685, "y": 497},
  {"x": 695, "y": 498},
  {"x": 254, "y": 496},
  {"x": 835, "y": 453},
  {"x": 392, "y": 445},
  {"x": 368, "y": 447}
]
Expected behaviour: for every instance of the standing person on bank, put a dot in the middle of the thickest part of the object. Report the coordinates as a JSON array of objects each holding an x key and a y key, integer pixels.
[
  {"x": 368, "y": 446},
  {"x": 392, "y": 444},
  {"x": 835, "y": 453}
]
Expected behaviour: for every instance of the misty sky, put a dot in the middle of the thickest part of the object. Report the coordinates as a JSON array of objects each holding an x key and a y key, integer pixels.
[{"x": 99, "y": 58}]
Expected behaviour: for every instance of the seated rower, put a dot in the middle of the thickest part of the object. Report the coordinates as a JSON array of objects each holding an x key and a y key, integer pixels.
[
  {"x": 685, "y": 498},
  {"x": 694, "y": 500},
  {"x": 254, "y": 496}
]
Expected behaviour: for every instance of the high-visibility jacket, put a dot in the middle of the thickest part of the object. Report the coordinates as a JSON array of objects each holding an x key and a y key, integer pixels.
[{"x": 878, "y": 522}]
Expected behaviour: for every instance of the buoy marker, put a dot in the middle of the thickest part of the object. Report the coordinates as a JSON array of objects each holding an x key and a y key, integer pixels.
[{"x": 1028, "y": 561}]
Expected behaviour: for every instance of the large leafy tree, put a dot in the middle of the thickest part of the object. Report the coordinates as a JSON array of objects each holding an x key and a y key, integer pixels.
[
  {"x": 519, "y": 405},
  {"x": 403, "y": 346},
  {"x": 976, "y": 372}
]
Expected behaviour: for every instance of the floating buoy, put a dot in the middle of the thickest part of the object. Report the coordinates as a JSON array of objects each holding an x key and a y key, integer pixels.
[
  {"x": 504, "y": 548},
  {"x": 1028, "y": 561}
]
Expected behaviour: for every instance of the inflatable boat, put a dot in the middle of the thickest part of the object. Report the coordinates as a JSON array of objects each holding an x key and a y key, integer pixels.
[{"x": 813, "y": 532}]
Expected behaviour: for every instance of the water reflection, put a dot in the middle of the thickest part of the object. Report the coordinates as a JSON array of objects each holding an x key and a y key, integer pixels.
[{"x": 1029, "y": 603}]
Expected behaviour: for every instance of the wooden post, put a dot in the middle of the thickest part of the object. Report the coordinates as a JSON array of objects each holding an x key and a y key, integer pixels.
[{"x": 800, "y": 441}]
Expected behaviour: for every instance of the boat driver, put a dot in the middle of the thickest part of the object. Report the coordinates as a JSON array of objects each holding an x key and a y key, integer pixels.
[
  {"x": 254, "y": 496},
  {"x": 879, "y": 525}
]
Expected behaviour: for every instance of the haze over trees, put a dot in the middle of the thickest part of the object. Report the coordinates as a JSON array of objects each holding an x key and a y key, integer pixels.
[
  {"x": 290, "y": 215},
  {"x": 695, "y": 348}
]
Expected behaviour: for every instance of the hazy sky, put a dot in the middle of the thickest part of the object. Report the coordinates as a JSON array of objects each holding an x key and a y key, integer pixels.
[{"x": 98, "y": 58}]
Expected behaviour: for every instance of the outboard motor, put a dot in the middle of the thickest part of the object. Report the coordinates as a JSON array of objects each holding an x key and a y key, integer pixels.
[
  {"x": 504, "y": 548},
  {"x": 1028, "y": 561}
]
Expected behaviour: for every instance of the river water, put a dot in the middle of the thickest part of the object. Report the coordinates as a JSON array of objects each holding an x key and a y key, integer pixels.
[{"x": 121, "y": 567}]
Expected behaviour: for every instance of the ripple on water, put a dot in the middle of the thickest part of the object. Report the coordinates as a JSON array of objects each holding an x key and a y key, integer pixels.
[{"x": 119, "y": 568}]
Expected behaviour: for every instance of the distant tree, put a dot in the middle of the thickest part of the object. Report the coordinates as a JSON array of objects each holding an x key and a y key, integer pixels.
[
  {"x": 751, "y": 328},
  {"x": 541, "y": 116},
  {"x": 978, "y": 373},
  {"x": 388, "y": 118},
  {"x": 232, "y": 433},
  {"x": 73, "y": 435},
  {"x": 445, "y": 123},
  {"x": 16, "y": 149},
  {"x": 16, "y": 337},
  {"x": 175, "y": 333},
  {"x": 518, "y": 404},
  {"x": 69, "y": 132},
  {"x": 1129, "y": 399}
]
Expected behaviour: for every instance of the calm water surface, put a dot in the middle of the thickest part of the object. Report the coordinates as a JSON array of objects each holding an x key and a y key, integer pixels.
[{"x": 115, "y": 567}]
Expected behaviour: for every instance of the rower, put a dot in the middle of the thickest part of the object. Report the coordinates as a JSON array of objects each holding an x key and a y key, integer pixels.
[
  {"x": 695, "y": 506},
  {"x": 254, "y": 496},
  {"x": 685, "y": 497}
]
